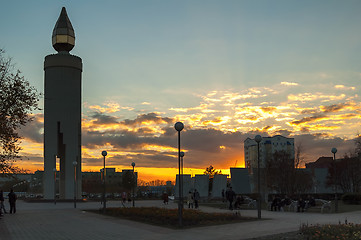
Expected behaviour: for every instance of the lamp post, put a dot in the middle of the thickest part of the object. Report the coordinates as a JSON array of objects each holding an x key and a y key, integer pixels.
[
  {"x": 74, "y": 164},
  {"x": 179, "y": 127},
  {"x": 54, "y": 170},
  {"x": 334, "y": 151},
  {"x": 133, "y": 185},
  {"x": 104, "y": 153},
  {"x": 258, "y": 139},
  {"x": 181, "y": 156}
]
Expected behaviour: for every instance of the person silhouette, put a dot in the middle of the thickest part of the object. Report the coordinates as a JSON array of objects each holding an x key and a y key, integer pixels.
[
  {"x": 2, "y": 207},
  {"x": 12, "y": 201}
]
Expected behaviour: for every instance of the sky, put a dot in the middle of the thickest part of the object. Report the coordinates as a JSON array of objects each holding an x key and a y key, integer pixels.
[{"x": 228, "y": 70}]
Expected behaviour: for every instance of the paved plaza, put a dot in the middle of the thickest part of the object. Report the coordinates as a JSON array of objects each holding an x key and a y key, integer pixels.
[{"x": 62, "y": 221}]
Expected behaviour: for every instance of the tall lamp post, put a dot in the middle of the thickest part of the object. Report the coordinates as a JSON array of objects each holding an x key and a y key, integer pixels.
[
  {"x": 334, "y": 151},
  {"x": 179, "y": 127},
  {"x": 104, "y": 153},
  {"x": 133, "y": 165},
  {"x": 258, "y": 139},
  {"x": 54, "y": 170},
  {"x": 75, "y": 188}
]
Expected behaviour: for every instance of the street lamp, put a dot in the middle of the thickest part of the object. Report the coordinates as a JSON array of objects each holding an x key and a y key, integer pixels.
[
  {"x": 334, "y": 151},
  {"x": 258, "y": 139},
  {"x": 74, "y": 164},
  {"x": 104, "y": 153},
  {"x": 133, "y": 185},
  {"x": 54, "y": 170},
  {"x": 179, "y": 127}
]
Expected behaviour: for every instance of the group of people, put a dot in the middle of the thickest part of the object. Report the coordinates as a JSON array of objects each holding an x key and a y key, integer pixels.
[
  {"x": 277, "y": 203},
  {"x": 125, "y": 198},
  {"x": 12, "y": 202},
  {"x": 193, "y": 199},
  {"x": 303, "y": 204},
  {"x": 231, "y": 196}
]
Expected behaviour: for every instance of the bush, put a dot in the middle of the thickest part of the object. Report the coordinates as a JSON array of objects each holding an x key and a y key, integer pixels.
[
  {"x": 352, "y": 198},
  {"x": 324, "y": 196}
]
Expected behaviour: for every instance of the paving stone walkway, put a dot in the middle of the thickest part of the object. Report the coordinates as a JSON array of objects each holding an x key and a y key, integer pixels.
[{"x": 61, "y": 221}]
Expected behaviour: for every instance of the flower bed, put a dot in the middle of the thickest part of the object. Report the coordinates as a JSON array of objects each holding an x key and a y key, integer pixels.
[
  {"x": 341, "y": 231},
  {"x": 169, "y": 217}
]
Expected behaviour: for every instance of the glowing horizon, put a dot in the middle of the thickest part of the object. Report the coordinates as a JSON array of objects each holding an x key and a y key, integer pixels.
[{"x": 228, "y": 70}]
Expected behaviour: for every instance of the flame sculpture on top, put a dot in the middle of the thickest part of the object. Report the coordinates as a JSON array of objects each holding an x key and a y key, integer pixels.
[{"x": 63, "y": 34}]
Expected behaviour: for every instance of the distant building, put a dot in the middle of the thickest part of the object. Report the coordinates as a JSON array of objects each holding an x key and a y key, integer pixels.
[
  {"x": 241, "y": 181},
  {"x": 92, "y": 181},
  {"x": 267, "y": 147},
  {"x": 322, "y": 162},
  {"x": 319, "y": 171}
]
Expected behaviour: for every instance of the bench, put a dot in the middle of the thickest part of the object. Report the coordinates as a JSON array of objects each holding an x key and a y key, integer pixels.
[
  {"x": 251, "y": 203},
  {"x": 321, "y": 204},
  {"x": 293, "y": 206}
]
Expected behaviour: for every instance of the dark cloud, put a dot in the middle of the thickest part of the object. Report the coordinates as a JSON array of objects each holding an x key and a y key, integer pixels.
[
  {"x": 309, "y": 119},
  {"x": 334, "y": 107},
  {"x": 121, "y": 139},
  {"x": 202, "y": 145},
  {"x": 317, "y": 145},
  {"x": 283, "y": 132},
  {"x": 101, "y": 118},
  {"x": 145, "y": 130},
  {"x": 168, "y": 131},
  {"x": 320, "y": 115},
  {"x": 309, "y": 111},
  {"x": 147, "y": 159},
  {"x": 149, "y": 117},
  {"x": 209, "y": 140},
  {"x": 32, "y": 130}
]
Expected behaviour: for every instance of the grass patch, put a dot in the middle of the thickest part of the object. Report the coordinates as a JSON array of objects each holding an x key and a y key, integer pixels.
[
  {"x": 169, "y": 217},
  {"x": 341, "y": 232}
]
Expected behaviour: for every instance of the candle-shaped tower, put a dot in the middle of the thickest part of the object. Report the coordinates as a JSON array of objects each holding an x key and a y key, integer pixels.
[{"x": 62, "y": 113}]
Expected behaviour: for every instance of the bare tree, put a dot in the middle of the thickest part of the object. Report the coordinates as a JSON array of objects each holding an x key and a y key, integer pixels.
[
  {"x": 283, "y": 176},
  {"x": 358, "y": 145},
  {"x": 17, "y": 100},
  {"x": 211, "y": 171},
  {"x": 299, "y": 159}
]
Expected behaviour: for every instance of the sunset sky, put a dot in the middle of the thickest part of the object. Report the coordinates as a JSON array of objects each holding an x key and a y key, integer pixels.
[{"x": 227, "y": 69}]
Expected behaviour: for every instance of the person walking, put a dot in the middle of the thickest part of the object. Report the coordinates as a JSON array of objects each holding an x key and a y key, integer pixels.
[
  {"x": 190, "y": 200},
  {"x": 124, "y": 198},
  {"x": 165, "y": 197},
  {"x": 230, "y": 194},
  {"x": 12, "y": 200},
  {"x": 196, "y": 198},
  {"x": 2, "y": 207}
]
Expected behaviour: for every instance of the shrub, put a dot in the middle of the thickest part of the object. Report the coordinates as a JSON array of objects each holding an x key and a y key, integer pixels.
[{"x": 352, "y": 198}]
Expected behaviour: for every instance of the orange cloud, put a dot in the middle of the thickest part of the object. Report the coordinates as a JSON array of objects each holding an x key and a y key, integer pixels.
[
  {"x": 344, "y": 87},
  {"x": 289, "y": 84},
  {"x": 307, "y": 97}
]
